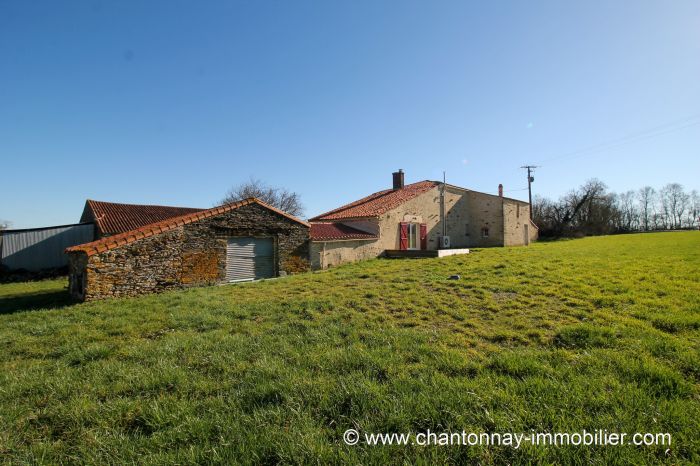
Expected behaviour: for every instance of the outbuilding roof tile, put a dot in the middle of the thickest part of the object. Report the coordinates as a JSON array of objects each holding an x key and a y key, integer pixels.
[
  {"x": 112, "y": 218},
  {"x": 378, "y": 203},
  {"x": 120, "y": 239},
  {"x": 337, "y": 231}
]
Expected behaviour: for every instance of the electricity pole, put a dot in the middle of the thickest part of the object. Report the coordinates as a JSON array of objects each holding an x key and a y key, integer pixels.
[
  {"x": 530, "y": 180},
  {"x": 442, "y": 208}
]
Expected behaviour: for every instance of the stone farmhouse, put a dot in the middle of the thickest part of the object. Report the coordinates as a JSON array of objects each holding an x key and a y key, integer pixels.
[
  {"x": 145, "y": 248},
  {"x": 423, "y": 216},
  {"x": 245, "y": 240}
]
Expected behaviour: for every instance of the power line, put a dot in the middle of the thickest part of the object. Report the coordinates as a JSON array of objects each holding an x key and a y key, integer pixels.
[{"x": 656, "y": 131}]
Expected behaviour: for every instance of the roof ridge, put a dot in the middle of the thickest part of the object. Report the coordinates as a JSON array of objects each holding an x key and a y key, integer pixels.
[
  {"x": 91, "y": 201},
  {"x": 120, "y": 239},
  {"x": 482, "y": 192},
  {"x": 114, "y": 217},
  {"x": 364, "y": 200}
]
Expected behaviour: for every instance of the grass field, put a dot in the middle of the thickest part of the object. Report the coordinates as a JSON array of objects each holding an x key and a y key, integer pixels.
[{"x": 597, "y": 333}]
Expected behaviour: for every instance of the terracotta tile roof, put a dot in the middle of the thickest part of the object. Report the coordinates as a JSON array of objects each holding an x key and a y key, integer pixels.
[
  {"x": 378, "y": 203},
  {"x": 112, "y": 218},
  {"x": 337, "y": 231},
  {"x": 113, "y": 242}
]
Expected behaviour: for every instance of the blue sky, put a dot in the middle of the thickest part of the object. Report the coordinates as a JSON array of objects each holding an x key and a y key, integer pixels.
[{"x": 174, "y": 102}]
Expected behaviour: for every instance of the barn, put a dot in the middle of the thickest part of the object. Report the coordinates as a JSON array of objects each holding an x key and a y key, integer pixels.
[
  {"x": 41, "y": 249},
  {"x": 245, "y": 240}
]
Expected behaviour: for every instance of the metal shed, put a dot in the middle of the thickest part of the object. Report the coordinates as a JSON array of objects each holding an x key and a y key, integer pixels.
[{"x": 42, "y": 248}]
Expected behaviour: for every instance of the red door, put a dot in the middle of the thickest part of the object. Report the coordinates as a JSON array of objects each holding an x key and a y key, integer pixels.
[{"x": 403, "y": 236}]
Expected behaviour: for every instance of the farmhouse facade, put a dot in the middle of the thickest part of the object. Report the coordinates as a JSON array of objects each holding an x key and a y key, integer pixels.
[
  {"x": 240, "y": 241},
  {"x": 417, "y": 217}
]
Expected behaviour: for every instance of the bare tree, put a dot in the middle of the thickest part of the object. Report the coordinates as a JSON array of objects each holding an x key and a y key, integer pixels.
[
  {"x": 283, "y": 199},
  {"x": 674, "y": 202},
  {"x": 628, "y": 215},
  {"x": 647, "y": 196},
  {"x": 587, "y": 210},
  {"x": 546, "y": 214},
  {"x": 693, "y": 209},
  {"x": 665, "y": 217},
  {"x": 593, "y": 208}
]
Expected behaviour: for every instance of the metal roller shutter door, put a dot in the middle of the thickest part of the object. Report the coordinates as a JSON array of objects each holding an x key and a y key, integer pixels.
[{"x": 250, "y": 259}]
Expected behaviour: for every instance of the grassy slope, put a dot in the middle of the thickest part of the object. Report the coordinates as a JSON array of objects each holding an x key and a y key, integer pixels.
[{"x": 593, "y": 333}]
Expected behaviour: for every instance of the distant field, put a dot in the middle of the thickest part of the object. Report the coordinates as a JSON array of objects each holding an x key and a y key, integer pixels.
[{"x": 597, "y": 333}]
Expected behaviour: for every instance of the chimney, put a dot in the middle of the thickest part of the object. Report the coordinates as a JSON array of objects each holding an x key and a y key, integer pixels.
[
  {"x": 500, "y": 190},
  {"x": 398, "y": 179}
]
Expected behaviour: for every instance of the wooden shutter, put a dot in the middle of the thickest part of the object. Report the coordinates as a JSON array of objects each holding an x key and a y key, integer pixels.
[
  {"x": 403, "y": 236},
  {"x": 423, "y": 236}
]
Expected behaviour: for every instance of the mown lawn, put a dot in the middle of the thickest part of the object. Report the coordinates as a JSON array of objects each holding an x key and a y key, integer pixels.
[{"x": 597, "y": 333}]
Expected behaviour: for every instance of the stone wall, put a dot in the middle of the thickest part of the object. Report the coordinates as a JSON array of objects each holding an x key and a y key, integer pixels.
[
  {"x": 466, "y": 214},
  {"x": 516, "y": 217},
  {"x": 485, "y": 211},
  {"x": 424, "y": 208},
  {"x": 534, "y": 232},
  {"x": 333, "y": 253},
  {"x": 189, "y": 255}
]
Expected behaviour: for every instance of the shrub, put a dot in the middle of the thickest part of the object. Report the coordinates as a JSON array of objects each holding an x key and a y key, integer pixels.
[{"x": 296, "y": 264}]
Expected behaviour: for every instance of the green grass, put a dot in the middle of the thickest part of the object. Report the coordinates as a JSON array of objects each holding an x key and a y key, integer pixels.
[{"x": 598, "y": 333}]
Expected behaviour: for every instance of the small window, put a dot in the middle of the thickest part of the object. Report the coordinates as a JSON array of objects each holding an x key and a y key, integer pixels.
[
  {"x": 466, "y": 229},
  {"x": 517, "y": 211},
  {"x": 485, "y": 232}
]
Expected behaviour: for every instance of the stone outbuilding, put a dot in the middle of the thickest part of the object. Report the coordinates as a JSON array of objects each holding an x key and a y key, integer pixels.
[
  {"x": 245, "y": 240},
  {"x": 422, "y": 216}
]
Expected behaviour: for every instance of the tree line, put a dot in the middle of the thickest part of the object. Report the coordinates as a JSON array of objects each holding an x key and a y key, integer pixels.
[{"x": 594, "y": 210}]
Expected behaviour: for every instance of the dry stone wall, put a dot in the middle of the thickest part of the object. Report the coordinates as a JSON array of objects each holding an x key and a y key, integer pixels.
[{"x": 189, "y": 255}]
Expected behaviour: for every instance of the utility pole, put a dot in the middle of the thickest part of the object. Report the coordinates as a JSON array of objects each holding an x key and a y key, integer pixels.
[
  {"x": 530, "y": 180},
  {"x": 442, "y": 208}
]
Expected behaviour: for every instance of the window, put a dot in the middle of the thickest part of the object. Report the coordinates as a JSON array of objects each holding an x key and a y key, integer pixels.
[
  {"x": 485, "y": 232},
  {"x": 517, "y": 211},
  {"x": 413, "y": 239},
  {"x": 466, "y": 229},
  {"x": 413, "y": 236}
]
